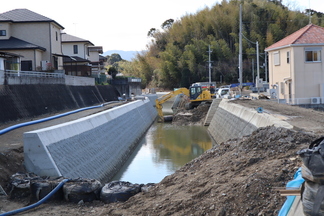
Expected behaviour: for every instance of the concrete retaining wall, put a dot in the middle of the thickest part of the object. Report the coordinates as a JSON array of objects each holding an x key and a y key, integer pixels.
[
  {"x": 27, "y": 101},
  {"x": 92, "y": 147},
  {"x": 233, "y": 121}
]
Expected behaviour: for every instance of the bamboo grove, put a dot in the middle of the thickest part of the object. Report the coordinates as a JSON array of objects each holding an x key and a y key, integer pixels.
[{"x": 177, "y": 54}]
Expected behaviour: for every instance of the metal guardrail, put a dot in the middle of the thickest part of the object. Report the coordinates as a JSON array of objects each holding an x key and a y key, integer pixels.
[{"x": 34, "y": 74}]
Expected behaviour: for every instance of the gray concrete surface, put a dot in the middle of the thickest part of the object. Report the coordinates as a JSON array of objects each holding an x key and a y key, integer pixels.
[
  {"x": 91, "y": 147},
  {"x": 232, "y": 121}
]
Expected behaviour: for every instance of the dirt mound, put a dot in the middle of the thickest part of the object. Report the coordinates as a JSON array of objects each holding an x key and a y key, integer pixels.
[
  {"x": 195, "y": 116},
  {"x": 237, "y": 177}
]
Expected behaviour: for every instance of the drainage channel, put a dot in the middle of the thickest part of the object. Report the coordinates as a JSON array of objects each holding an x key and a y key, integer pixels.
[{"x": 164, "y": 149}]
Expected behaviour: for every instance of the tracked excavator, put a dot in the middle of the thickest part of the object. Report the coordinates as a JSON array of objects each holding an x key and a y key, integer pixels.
[{"x": 195, "y": 93}]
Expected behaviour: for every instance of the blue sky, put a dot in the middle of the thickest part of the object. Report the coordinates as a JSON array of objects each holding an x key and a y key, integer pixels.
[{"x": 122, "y": 24}]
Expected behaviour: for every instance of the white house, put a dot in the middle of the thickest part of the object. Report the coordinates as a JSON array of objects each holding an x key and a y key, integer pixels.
[
  {"x": 34, "y": 37},
  {"x": 296, "y": 67}
]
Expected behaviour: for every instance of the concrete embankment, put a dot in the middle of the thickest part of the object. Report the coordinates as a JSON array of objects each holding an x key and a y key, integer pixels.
[
  {"x": 92, "y": 147},
  {"x": 233, "y": 121},
  {"x": 27, "y": 101}
]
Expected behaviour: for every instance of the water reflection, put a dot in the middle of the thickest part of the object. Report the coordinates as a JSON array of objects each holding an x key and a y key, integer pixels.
[{"x": 164, "y": 149}]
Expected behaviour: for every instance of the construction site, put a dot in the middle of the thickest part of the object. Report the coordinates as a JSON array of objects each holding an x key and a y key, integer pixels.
[{"x": 238, "y": 176}]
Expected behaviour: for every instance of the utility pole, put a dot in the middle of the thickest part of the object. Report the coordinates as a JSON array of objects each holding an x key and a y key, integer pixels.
[
  {"x": 240, "y": 50},
  {"x": 266, "y": 66},
  {"x": 209, "y": 64},
  {"x": 253, "y": 70},
  {"x": 258, "y": 63}
]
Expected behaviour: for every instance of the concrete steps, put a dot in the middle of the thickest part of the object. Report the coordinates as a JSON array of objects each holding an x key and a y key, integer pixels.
[{"x": 211, "y": 111}]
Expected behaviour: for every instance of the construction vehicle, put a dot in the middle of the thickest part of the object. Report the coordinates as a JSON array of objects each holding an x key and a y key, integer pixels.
[{"x": 195, "y": 93}]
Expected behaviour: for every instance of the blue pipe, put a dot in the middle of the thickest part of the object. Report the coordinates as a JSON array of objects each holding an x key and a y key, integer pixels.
[
  {"x": 5, "y": 130},
  {"x": 296, "y": 182},
  {"x": 39, "y": 202}
]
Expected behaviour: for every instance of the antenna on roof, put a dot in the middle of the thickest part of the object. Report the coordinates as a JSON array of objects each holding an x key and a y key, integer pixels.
[{"x": 309, "y": 12}]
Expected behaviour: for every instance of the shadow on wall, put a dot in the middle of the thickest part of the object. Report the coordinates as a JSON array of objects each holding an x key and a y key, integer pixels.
[{"x": 26, "y": 101}]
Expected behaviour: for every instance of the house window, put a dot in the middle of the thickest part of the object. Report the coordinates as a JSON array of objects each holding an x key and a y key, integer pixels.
[
  {"x": 288, "y": 57},
  {"x": 313, "y": 54},
  {"x": 56, "y": 36},
  {"x": 3, "y": 33},
  {"x": 75, "y": 49},
  {"x": 276, "y": 58}
]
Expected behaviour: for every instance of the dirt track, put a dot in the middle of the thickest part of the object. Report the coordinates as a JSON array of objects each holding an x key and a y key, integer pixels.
[
  {"x": 301, "y": 118},
  {"x": 235, "y": 178}
]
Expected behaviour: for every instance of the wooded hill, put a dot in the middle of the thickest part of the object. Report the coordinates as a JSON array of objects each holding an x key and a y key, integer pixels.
[{"x": 178, "y": 53}]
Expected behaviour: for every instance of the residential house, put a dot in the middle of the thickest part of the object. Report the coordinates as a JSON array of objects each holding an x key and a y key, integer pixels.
[
  {"x": 97, "y": 61},
  {"x": 296, "y": 68},
  {"x": 34, "y": 37},
  {"x": 79, "y": 63}
]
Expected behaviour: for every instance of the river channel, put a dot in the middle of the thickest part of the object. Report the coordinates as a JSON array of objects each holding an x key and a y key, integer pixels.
[{"x": 164, "y": 149}]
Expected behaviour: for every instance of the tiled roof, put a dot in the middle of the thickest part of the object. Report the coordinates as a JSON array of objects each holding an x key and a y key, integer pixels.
[
  {"x": 67, "y": 38},
  {"x": 16, "y": 44},
  {"x": 73, "y": 59},
  {"x": 310, "y": 34},
  {"x": 24, "y": 15}
]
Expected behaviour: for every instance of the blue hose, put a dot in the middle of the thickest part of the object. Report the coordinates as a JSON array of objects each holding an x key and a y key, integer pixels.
[
  {"x": 5, "y": 130},
  {"x": 39, "y": 202}
]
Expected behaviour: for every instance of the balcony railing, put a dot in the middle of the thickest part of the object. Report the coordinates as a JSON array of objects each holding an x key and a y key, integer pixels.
[{"x": 34, "y": 74}]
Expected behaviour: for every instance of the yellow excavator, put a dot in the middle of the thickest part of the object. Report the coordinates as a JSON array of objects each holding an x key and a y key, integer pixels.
[{"x": 195, "y": 93}]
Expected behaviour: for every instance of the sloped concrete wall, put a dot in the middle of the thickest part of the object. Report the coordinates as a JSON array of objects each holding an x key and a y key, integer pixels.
[
  {"x": 91, "y": 147},
  {"x": 233, "y": 121}
]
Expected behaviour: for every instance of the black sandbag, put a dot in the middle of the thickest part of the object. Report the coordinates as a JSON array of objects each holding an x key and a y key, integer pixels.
[
  {"x": 87, "y": 190},
  {"x": 41, "y": 187},
  {"x": 118, "y": 191},
  {"x": 20, "y": 185}
]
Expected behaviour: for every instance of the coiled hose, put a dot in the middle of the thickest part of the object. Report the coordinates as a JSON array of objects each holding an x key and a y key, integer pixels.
[
  {"x": 37, "y": 203},
  {"x": 5, "y": 130}
]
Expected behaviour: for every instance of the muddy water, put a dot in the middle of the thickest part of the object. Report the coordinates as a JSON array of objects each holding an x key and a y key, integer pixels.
[{"x": 164, "y": 149}]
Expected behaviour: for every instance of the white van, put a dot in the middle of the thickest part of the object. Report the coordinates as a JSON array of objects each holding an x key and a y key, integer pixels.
[{"x": 222, "y": 92}]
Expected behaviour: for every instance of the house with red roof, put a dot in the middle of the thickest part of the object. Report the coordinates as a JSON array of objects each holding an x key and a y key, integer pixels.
[{"x": 296, "y": 68}]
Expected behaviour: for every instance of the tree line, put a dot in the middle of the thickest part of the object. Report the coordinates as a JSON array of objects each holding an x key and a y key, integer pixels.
[{"x": 177, "y": 54}]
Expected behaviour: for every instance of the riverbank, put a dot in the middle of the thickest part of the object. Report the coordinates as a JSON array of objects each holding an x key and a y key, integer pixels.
[{"x": 236, "y": 177}]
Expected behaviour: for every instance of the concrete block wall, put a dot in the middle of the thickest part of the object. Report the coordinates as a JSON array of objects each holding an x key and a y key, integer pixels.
[
  {"x": 233, "y": 121},
  {"x": 28, "y": 101},
  {"x": 92, "y": 147}
]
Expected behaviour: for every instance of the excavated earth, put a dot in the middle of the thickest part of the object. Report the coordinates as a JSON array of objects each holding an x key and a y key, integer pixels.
[{"x": 237, "y": 177}]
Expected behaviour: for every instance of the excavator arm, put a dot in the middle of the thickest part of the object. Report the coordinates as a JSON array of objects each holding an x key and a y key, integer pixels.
[{"x": 164, "y": 98}]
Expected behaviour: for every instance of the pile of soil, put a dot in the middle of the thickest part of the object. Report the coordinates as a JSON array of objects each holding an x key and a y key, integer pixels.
[
  {"x": 237, "y": 177},
  {"x": 195, "y": 116}
]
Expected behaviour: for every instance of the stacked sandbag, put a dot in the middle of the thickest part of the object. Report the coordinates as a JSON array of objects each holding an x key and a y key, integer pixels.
[
  {"x": 313, "y": 173},
  {"x": 87, "y": 190},
  {"x": 20, "y": 184},
  {"x": 74, "y": 190}
]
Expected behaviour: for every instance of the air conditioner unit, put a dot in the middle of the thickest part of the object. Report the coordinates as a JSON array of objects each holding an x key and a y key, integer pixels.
[{"x": 315, "y": 100}]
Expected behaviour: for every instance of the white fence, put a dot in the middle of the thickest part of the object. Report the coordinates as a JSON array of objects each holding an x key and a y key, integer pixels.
[
  {"x": 14, "y": 77},
  {"x": 34, "y": 74}
]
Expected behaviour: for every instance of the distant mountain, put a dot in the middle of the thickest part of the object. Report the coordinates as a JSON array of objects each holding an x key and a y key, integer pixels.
[{"x": 126, "y": 55}]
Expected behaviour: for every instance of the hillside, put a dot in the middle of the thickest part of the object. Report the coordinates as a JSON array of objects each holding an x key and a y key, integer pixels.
[
  {"x": 177, "y": 55},
  {"x": 126, "y": 55}
]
